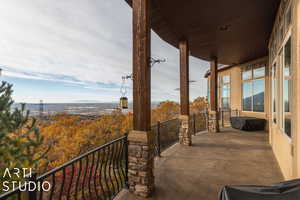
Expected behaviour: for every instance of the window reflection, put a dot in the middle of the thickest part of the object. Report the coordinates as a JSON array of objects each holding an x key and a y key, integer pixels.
[
  {"x": 259, "y": 72},
  {"x": 246, "y": 75},
  {"x": 254, "y": 88},
  {"x": 225, "y": 79},
  {"x": 287, "y": 88},
  {"x": 247, "y": 96},
  {"x": 225, "y": 96},
  {"x": 258, "y": 95}
]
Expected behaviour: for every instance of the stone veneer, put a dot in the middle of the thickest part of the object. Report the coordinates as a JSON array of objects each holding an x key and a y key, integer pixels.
[
  {"x": 213, "y": 123},
  {"x": 185, "y": 136},
  {"x": 141, "y": 163}
]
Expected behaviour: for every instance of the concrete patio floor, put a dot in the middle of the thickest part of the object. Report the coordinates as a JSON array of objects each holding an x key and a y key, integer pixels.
[{"x": 199, "y": 172}]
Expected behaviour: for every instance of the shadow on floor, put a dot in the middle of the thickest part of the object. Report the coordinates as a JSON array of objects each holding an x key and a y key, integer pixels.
[{"x": 199, "y": 172}]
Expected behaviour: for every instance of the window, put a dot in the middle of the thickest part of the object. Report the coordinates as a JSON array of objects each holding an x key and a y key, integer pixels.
[
  {"x": 274, "y": 92},
  {"x": 287, "y": 88},
  {"x": 254, "y": 88},
  {"x": 259, "y": 72},
  {"x": 247, "y": 96},
  {"x": 208, "y": 91},
  {"x": 225, "y": 91},
  {"x": 225, "y": 96},
  {"x": 225, "y": 79},
  {"x": 258, "y": 95}
]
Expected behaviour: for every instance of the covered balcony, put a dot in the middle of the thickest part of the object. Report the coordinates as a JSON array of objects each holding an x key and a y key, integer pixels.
[
  {"x": 214, "y": 160},
  {"x": 225, "y": 33}
]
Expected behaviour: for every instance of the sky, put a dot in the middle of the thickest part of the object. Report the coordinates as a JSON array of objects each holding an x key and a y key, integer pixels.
[{"x": 74, "y": 51}]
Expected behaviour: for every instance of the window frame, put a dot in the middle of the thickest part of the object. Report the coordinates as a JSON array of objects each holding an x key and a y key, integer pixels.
[
  {"x": 221, "y": 84},
  {"x": 252, "y": 80}
]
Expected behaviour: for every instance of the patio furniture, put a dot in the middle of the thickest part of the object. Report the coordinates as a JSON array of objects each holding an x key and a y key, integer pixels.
[
  {"x": 248, "y": 123},
  {"x": 289, "y": 190}
]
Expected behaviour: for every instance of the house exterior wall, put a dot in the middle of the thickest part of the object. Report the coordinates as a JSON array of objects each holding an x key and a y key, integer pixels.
[
  {"x": 296, "y": 87},
  {"x": 286, "y": 149},
  {"x": 236, "y": 90}
]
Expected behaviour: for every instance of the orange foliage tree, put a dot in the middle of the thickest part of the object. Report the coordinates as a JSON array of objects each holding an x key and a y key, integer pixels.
[
  {"x": 71, "y": 136},
  {"x": 164, "y": 111}
]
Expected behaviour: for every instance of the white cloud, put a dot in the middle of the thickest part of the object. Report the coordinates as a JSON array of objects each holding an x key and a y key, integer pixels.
[{"x": 87, "y": 40}]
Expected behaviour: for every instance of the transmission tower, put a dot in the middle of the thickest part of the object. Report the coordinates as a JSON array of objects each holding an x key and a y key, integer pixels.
[{"x": 41, "y": 108}]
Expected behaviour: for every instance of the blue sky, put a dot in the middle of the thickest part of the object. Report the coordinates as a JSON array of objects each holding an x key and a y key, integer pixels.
[{"x": 77, "y": 51}]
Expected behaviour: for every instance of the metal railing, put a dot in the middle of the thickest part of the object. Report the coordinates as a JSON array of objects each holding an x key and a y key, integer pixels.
[
  {"x": 225, "y": 115},
  {"x": 102, "y": 172},
  {"x": 166, "y": 134},
  {"x": 97, "y": 174},
  {"x": 198, "y": 122}
]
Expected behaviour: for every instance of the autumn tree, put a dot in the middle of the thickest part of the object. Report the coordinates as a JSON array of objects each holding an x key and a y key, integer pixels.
[
  {"x": 198, "y": 105},
  {"x": 20, "y": 138},
  {"x": 164, "y": 111}
]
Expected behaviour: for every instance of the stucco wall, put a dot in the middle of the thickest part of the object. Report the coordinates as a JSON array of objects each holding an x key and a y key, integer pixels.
[
  {"x": 236, "y": 89},
  {"x": 287, "y": 150},
  {"x": 296, "y": 87}
]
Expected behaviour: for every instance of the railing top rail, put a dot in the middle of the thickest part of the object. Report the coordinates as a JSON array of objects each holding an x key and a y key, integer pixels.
[
  {"x": 10, "y": 193},
  {"x": 45, "y": 175}
]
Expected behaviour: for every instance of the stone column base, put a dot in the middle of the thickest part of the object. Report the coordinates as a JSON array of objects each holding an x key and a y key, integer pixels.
[
  {"x": 213, "y": 122},
  {"x": 185, "y": 136},
  {"x": 141, "y": 163}
]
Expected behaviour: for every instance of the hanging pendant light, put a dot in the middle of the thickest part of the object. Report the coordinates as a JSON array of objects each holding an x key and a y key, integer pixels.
[
  {"x": 123, "y": 99},
  {"x": 124, "y": 102}
]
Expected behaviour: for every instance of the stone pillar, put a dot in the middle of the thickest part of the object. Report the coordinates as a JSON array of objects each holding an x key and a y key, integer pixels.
[
  {"x": 141, "y": 163},
  {"x": 213, "y": 120},
  {"x": 185, "y": 136}
]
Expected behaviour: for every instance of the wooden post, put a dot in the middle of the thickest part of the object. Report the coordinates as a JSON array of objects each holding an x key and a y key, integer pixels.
[
  {"x": 213, "y": 123},
  {"x": 214, "y": 85},
  {"x": 141, "y": 141},
  {"x": 185, "y": 137},
  {"x": 184, "y": 77},
  {"x": 141, "y": 65}
]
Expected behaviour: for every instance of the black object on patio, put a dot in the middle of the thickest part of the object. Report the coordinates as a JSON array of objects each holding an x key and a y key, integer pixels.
[
  {"x": 289, "y": 190},
  {"x": 248, "y": 123}
]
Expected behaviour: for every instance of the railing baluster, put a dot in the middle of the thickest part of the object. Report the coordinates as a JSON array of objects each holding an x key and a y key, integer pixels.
[
  {"x": 115, "y": 164},
  {"x": 78, "y": 179},
  {"x": 126, "y": 160},
  {"x": 63, "y": 183},
  {"x": 101, "y": 173},
  {"x": 105, "y": 172},
  {"x": 158, "y": 139},
  {"x": 90, "y": 175},
  {"x": 122, "y": 162},
  {"x": 119, "y": 164},
  {"x": 52, "y": 186},
  {"x": 19, "y": 195},
  {"x": 41, "y": 192},
  {"x": 32, "y": 194},
  {"x": 84, "y": 176},
  {"x": 71, "y": 181},
  {"x": 96, "y": 175},
  {"x": 111, "y": 149},
  {"x": 194, "y": 124}
]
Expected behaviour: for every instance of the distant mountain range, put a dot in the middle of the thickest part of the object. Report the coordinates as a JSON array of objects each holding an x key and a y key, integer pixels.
[{"x": 73, "y": 108}]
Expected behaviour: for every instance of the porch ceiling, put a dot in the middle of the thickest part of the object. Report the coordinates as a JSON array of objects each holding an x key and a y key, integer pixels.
[{"x": 234, "y": 31}]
